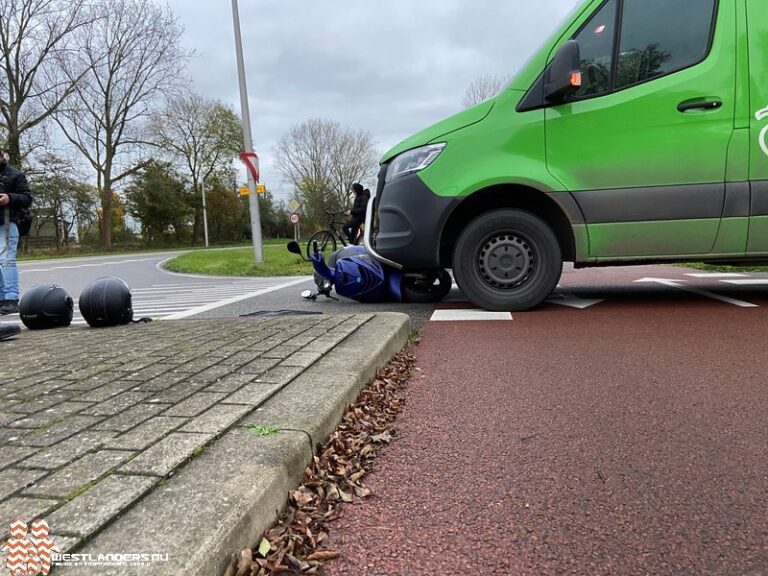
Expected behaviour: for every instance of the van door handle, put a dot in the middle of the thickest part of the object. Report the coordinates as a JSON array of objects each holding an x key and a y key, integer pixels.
[{"x": 699, "y": 105}]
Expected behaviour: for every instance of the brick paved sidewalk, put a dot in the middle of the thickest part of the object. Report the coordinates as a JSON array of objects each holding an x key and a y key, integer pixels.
[{"x": 92, "y": 420}]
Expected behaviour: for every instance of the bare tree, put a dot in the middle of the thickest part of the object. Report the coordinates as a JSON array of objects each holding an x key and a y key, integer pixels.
[
  {"x": 484, "y": 87},
  {"x": 37, "y": 71},
  {"x": 61, "y": 197},
  {"x": 322, "y": 160},
  {"x": 354, "y": 158},
  {"x": 204, "y": 135},
  {"x": 133, "y": 55}
]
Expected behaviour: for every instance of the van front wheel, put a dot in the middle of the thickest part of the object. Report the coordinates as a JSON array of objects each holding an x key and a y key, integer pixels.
[{"x": 507, "y": 260}]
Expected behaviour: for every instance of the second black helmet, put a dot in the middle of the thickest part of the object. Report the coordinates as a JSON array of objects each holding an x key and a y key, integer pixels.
[
  {"x": 106, "y": 302},
  {"x": 46, "y": 306}
]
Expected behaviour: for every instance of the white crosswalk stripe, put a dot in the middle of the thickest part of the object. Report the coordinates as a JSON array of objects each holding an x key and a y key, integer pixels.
[{"x": 176, "y": 301}]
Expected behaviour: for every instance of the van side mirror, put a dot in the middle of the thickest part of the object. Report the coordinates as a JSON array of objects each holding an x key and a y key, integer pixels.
[{"x": 563, "y": 76}]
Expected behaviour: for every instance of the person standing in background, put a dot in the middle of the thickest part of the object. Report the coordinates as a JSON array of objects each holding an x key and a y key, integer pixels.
[
  {"x": 15, "y": 199},
  {"x": 357, "y": 213}
]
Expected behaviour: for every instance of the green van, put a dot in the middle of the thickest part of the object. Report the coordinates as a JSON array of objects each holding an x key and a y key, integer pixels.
[{"x": 636, "y": 134}]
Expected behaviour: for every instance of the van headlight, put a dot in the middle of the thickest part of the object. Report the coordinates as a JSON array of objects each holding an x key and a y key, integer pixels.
[{"x": 414, "y": 160}]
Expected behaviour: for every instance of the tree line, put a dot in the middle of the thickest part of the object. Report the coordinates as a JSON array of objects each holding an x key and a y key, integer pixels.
[{"x": 95, "y": 107}]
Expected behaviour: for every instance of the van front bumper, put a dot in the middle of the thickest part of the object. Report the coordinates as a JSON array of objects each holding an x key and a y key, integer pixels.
[{"x": 405, "y": 221}]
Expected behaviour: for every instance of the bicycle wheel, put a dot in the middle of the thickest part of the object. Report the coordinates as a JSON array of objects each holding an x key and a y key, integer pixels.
[{"x": 326, "y": 243}]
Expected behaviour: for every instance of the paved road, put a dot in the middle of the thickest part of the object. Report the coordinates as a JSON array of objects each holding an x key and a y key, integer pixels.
[
  {"x": 160, "y": 294},
  {"x": 628, "y": 437},
  {"x": 156, "y": 293}
]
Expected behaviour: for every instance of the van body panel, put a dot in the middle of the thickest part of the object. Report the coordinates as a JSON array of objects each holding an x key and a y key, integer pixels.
[
  {"x": 652, "y": 239},
  {"x": 637, "y": 138},
  {"x": 732, "y": 237},
  {"x": 456, "y": 122},
  {"x": 505, "y": 148},
  {"x": 737, "y": 164},
  {"x": 738, "y": 197},
  {"x": 744, "y": 114},
  {"x": 757, "y": 15}
]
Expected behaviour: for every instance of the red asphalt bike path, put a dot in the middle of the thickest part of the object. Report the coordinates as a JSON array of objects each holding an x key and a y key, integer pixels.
[{"x": 630, "y": 438}]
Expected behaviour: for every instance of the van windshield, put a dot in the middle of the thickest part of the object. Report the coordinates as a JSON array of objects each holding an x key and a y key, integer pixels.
[{"x": 547, "y": 38}]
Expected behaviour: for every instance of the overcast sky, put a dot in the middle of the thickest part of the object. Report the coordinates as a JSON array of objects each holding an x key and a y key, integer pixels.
[{"x": 391, "y": 68}]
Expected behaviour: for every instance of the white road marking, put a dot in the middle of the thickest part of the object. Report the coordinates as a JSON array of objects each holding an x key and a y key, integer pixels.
[
  {"x": 169, "y": 302},
  {"x": 752, "y": 282},
  {"x": 574, "y": 302},
  {"x": 233, "y": 300},
  {"x": 210, "y": 289},
  {"x": 677, "y": 284},
  {"x": 464, "y": 315},
  {"x": 564, "y": 298},
  {"x": 89, "y": 265},
  {"x": 717, "y": 275},
  {"x": 159, "y": 309}
]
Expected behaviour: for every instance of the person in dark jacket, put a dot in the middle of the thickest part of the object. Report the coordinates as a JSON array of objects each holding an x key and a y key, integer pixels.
[
  {"x": 357, "y": 214},
  {"x": 14, "y": 196}
]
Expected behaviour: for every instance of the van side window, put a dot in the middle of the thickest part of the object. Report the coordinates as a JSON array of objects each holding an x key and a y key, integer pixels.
[
  {"x": 659, "y": 37},
  {"x": 596, "y": 44}
]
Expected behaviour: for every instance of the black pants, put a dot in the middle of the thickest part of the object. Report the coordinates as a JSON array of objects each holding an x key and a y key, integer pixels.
[{"x": 351, "y": 228}]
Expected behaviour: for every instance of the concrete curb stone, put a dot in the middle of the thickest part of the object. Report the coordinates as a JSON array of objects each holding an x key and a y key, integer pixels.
[{"x": 222, "y": 500}]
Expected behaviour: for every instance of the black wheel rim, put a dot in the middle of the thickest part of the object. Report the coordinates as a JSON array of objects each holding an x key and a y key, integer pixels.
[{"x": 506, "y": 260}]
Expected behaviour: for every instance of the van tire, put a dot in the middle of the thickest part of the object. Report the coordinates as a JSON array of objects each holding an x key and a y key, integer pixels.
[{"x": 507, "y": 260}]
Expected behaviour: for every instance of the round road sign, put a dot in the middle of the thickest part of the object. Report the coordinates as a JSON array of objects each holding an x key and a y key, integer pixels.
[{"x": 294, "y": 218}]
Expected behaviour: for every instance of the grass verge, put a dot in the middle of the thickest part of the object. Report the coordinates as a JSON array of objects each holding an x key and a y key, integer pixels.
[
  {"x": 86, "y": 252},
  {"x": 239, "y": 262}
]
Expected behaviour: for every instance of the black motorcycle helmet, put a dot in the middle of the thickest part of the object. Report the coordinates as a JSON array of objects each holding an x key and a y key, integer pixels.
[
  {"x": 46, "y": 306},
  {"x": 106, "y": 302}
]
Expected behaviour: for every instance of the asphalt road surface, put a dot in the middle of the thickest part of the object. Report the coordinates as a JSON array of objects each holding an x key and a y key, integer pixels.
[
  {"x": 622, "y": 431},
  {"x": 157, "y": 293},
  {"x": 160, "y": 294}
]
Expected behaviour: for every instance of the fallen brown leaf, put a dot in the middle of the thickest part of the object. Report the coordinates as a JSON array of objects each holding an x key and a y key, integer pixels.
[
  {"x": 384, "y": 437},
  {"x": 331, "y": 480},
  {"x": 323, "y": 555},
  {"x": 245, "y": 562}
]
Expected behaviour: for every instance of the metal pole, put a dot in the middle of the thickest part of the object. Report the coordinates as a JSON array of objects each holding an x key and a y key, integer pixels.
[
  {"x": 253, "y": 200},
  {"x": 205, "y": 215}
]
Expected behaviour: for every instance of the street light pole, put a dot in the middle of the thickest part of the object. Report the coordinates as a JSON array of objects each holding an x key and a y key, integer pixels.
[
  {"x": 253, "y": 200},
  {"x": 205, "y": 215}
]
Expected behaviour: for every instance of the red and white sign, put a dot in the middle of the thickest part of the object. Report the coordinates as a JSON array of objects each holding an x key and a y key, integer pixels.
[
  {"x": 294, "y": 218},
  {"x": 251, "y": 160}
]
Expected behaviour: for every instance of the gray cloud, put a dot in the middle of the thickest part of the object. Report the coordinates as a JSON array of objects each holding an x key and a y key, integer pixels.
[{"x": 391, "y": 68}]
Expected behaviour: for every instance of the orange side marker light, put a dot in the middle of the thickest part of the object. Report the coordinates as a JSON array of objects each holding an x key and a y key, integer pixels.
[{"x": 576, "y": 79}]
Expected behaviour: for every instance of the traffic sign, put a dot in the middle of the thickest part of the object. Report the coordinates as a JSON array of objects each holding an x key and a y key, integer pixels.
[
  {"x": 294, "y": 205},
  {"x": 244, "y": 191},
  {"x": 251, "y": 160},
  {"x": 295, "y": 218},
  {"x": 261, "y": 189}
]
